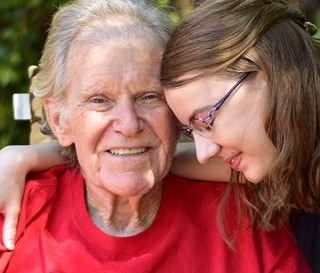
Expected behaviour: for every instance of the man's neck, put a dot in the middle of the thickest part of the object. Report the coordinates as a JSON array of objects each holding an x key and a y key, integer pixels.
[{"x": 123, "y": 216}]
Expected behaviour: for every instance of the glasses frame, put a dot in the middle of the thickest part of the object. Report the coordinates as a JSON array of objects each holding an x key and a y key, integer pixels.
[{"x": 187, "y": 131}]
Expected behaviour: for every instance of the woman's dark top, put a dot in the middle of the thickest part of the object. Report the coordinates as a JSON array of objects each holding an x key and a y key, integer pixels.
[{"x": 306, "y": 229}]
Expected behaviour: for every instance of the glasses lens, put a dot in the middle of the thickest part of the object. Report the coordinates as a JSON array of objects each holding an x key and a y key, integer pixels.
[
  {"x": 202, "y": 127},
  {"x": 187, "y": 132}
]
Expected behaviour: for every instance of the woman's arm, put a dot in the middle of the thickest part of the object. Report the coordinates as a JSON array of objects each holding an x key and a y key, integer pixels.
[
  {"x": 16, "y": 162},
  {"x": 185, "y": 164}
]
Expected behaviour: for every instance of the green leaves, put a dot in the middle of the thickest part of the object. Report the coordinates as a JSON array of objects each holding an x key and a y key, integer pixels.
[{"x": 22, "y": 35}]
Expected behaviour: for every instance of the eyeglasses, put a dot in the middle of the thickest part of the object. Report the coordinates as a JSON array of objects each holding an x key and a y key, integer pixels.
[{"x": 204, "y": 126}]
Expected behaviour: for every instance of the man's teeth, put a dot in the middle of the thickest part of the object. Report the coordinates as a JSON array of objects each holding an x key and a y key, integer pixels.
[{"x": 127, "y": 151}]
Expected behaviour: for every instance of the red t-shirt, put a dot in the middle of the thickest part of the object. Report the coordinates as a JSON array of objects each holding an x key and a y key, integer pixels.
[{"x": 56, "y": 234}]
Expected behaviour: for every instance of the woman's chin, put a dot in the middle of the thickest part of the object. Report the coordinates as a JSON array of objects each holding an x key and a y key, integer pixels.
[{"x": 254, "y": 178}]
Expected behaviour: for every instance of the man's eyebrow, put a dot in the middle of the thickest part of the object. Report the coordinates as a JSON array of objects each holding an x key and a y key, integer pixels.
[
  {"x": 89, "y": 91},
  {"x": 155, "y": 89},
  {"x": 85, "y": 91}
]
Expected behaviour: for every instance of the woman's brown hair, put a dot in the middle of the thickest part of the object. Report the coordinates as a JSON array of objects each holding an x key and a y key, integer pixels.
[{"x": 237, "y": 36}]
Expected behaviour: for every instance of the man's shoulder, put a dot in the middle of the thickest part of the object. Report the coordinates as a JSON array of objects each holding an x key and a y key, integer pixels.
[
  {"x": 42, "y": 191},
  {"x": 44, "y": 186},
  {"x": 49, "y": 176}
]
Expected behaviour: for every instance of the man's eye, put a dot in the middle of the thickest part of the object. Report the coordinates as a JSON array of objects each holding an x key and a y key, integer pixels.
[
  {"x": 98, "y": 103},
  {"x": 97, "y": 100},
  {"x": 151, "y": 97}
]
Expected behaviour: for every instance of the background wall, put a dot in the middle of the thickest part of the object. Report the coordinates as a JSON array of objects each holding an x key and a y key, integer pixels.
[{"x": 23, "y": 26}]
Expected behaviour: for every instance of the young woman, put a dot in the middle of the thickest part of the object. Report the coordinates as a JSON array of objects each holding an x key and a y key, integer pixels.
[{"x": 243, "y": 76}]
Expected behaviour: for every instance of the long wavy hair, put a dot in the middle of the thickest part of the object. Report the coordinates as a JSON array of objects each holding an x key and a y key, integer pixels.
[{"x": 237, "y": 36}]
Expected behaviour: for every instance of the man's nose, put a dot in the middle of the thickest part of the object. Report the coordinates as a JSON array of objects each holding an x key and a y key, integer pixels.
[
  {"x": 127, "y": 121},
  {"x": 205, "y": 148}
]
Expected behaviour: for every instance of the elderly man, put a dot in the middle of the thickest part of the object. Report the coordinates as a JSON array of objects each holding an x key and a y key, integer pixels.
[{"x": 117, "y": 209}]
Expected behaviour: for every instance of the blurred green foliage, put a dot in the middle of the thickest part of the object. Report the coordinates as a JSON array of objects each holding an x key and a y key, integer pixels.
[{"x": 22, "y": 34}]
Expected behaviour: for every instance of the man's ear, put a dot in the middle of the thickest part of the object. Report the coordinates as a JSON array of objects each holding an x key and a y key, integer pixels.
[{"x": 57, "y": 122}]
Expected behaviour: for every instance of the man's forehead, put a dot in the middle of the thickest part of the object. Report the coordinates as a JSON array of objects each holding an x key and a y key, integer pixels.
[
  {"x": 115, "y": 52},
  {"x": 118, "y": 27},
  {"x": 114, "y": 64}
]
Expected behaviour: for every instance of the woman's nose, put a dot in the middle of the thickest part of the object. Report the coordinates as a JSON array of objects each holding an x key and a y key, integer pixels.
[
  {"x": 205, "y": 148},
  {"x": 128, "y": 122}
]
